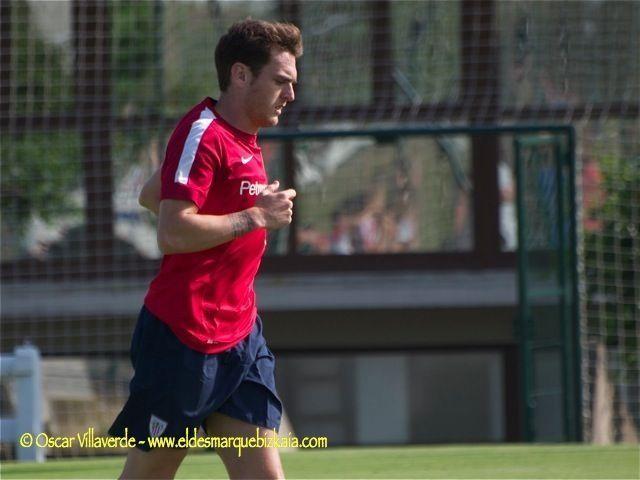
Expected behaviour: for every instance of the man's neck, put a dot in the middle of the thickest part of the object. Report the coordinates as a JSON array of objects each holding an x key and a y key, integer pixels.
[{"x": 231, "y": 110}]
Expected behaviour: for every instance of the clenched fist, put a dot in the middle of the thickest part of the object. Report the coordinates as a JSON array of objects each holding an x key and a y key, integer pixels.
[{"x": 276, "y": 208}]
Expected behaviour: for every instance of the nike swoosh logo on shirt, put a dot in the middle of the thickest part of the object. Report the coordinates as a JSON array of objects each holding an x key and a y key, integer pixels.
[{"x": 246, "y": 160}]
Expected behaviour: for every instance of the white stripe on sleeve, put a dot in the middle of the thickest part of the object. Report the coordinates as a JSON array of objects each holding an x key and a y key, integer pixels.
[{"x": 191, "y": 145}]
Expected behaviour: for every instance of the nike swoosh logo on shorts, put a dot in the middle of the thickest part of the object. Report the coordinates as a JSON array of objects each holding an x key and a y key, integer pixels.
[{"x": 246, "y": 160}]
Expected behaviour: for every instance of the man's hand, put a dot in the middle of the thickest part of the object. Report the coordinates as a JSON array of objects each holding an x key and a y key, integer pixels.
[{"x": 276, "y": 208}]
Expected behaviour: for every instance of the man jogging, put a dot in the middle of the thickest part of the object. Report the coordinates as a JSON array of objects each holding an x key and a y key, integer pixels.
[{"x": 199, "y": 356}]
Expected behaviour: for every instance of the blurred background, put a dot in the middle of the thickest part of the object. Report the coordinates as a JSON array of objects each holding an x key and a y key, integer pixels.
[{"x": 405, "y": 304}]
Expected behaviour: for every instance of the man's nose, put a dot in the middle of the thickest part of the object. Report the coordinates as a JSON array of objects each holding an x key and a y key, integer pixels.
[{"x": 289, "y": 94}]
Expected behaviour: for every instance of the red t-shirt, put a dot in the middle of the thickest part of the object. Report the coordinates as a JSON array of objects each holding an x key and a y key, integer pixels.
[{"x": 207, "y": 297}]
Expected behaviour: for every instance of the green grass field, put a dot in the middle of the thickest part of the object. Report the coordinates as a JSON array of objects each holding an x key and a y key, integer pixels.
[{"x": 505, "y": 461}]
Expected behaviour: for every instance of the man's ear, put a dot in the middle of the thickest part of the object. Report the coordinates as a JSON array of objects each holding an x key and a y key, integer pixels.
[{"x": 240, "y": 74}]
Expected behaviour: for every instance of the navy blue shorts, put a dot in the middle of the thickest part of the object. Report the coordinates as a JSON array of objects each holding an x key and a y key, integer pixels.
[{"x": 176, "y": 388}]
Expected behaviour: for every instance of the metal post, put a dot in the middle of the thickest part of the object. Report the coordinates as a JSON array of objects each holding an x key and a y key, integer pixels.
[
  {"x": 565, "y": 319},
  {"x": 92, "y": 44},
  {"x": 25, "y": 368},
  {"x": 575, "y": 307},
  {"x": 523, "y": 304}
]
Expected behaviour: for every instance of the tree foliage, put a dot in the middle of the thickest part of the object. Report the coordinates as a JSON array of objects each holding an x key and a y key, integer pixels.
[{"x": 613, "y": 258}]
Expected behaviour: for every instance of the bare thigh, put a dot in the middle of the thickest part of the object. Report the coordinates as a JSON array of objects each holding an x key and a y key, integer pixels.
[
  {"x": 158, "y": 463},
  {"x": 254, "y": 462}
]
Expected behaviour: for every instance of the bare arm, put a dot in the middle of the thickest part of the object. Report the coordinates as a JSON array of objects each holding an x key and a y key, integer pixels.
[
  {"x": 181, "y": 229},
  {"x": 149, "y": 196}
]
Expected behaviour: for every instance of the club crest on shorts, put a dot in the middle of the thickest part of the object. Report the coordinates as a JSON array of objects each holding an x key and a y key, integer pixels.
[{"x": 156, "y": 426}]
